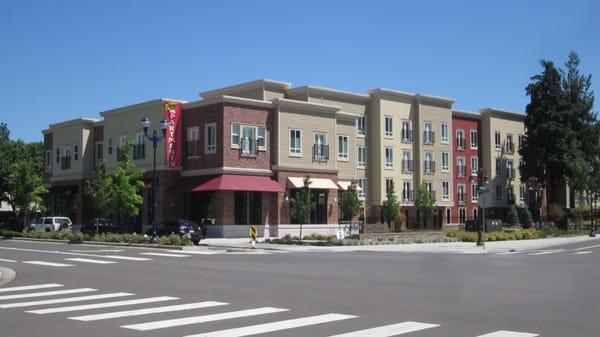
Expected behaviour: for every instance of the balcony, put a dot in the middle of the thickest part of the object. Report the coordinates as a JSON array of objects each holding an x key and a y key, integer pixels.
[
  {"x": 510, "y": 148},
  {"x": 249, "y": 147},
  {"x": 428, "y": 137},
  {"x": 461, "y": 197},
  {"x": 461, "y": 171},
  {"x": 510, "y": 173},
  {"x": 139, "y": 151},
  {"x": 65, "y": 163},
  {"x": 407, "y": 166},
  {"x": 320, "y": 152},
  {"x": 408, "y": 195},
  {"x": 429, "y": 167},
  {"x": 407, "y": 136},
  {"x": 460, "y": 143},
  {"x": 432, "y": 194},
  {"x": 192, "y": 148}
]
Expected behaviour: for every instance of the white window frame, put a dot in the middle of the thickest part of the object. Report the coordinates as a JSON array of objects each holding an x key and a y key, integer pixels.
[
  {"x": 497, "y": 141},
  {"x": 445, "y": 128},
  {"x": 262, "y": 147},
  {"x": 405, "y": 191},
  {"x": 193, "y": 135},
  {"x": 341, "y": 155},
  {"x": 523, "y": 192},
  {"x": 208, "y": 147},
  {"x": 445, "y": 190},
  {"x": 475, "y": 213},
  {"x": 75, "y": 152},
  {"x": 388, "y": 180},
  {"x": 389, "y": 164},
  {"x": 474, "y": 136},
  {"x": 295, "y": 151},
  {"x": 474, "y": 168},
  {"x": 474, "y": 193},
  {"x": 520, "y": 140},
  {"x": 406, "y": 130},
  {"x": 48, "y": 159},
  {"x": 99, "y": 152},
  {"x": 123, "y": 140},
  {"x": 446, "y": 165},
  {"x": 389, "y": 133},
  {"x": 464, "y": 139},
  {"x": 361, "y": 126},
  {"x": 460, "y": 187},
  {"x": 234, "y": 144},
  {"x": 361, "y": 160},
  {"x": 362, "y": 193},
  {"x": 110, "y": 146}
]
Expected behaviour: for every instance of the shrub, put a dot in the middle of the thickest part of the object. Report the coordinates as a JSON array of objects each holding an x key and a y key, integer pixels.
[
  {"x": 174, "y": 240},
  {"x": 529, "y": 234},
  {"x": 555, "y": 213},
  {"x": 513, "y": 216},
  {"x": 526, "y": 218}
]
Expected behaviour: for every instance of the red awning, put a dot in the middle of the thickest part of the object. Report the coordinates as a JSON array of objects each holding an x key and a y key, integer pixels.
[{"x": 234, "y": 182}]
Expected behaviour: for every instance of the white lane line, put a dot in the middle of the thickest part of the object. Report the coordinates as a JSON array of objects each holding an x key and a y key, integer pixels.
[
  {"x": 31, "y": 287},
  {"x": 102, "y": 305},
  {"x": 49, "y": 264},
  {"x": 202, "y": 319},
  {"x": 140, "y": 312},
  {"x": 79, "y": 259},
  {"x": 546, "y": 252},
  {"x": 77, "y": 254},
  {"x": 129, "y": 258},
  {"x": 504, "y": 333},
  {"x": 507, "y": 253},
  {"x": 583, "y": 252},
  {"x": 200, "y": 252},
  {"x": 47, "y": 293},
  {"x": 588, "y": 247},
  {"x": 7, "y": 260},
  {"x": 63, "y": 300},
  {"x": 275, "y": 326},
  {"x": 390, "y": 330},
  {"x": 97, "y": 251},
  {"x": 165, "y": 254}
]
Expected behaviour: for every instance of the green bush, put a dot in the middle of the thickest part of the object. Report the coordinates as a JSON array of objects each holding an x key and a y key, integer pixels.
[
  {"x": 174, "y": 240},
  {"x": 518, "y": 234},
  {"x": 315, "y": 236},
  {"x": 555, "y": 213}
]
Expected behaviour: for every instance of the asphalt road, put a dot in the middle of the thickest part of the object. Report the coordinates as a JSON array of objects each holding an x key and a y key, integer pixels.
[{"x": 550, "y": 293}]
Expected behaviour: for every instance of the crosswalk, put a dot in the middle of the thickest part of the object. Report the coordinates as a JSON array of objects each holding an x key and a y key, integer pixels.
[
  {"x": 197, "y": 314},
  {"x": 544, "y": 252}
]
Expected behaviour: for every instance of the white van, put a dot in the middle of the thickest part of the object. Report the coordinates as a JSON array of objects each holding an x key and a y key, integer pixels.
[{"x": 53, "y": 223}]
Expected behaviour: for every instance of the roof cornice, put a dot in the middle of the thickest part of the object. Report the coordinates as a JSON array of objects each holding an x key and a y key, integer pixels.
[
  {"x": 139, "y": 106},
  {"x": 78, "y": 121},
  {"x": 316, "y": 90},
  {"x": 227, "y": 99},
  {"x": 307, "y": 105},
  {"x": 466, "y": 114},
  {"x": 500, "y": 113},
  {"x": 260, "y": 83}
]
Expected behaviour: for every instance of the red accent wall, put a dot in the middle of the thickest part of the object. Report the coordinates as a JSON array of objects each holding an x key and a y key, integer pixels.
[
  {"x": 199, "y": 117},
  {"x": 466, "y": 124}
]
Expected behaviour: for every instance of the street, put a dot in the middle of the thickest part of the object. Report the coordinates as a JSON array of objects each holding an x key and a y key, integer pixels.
[{"x": 84, "y": 290}]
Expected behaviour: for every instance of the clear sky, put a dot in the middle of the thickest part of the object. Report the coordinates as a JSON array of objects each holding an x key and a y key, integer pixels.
[{"x": 67, "y": 59}]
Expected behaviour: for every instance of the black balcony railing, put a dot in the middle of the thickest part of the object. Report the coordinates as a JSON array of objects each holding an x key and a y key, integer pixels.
[
  {"x": 65, "y": 163},
  {"x": 428, "y": 137},
  {"x": 407, "y": 136},
  {"x": 249, "y": 147},
  {"x": 192, "y": 147},
  {"x": 461, "y": 197},
  {"x": 429, "y": 166},
  {"x": 461, "y": 171},
  {"x": 510, "y": 173},
  {"x": 510, "y": 148},
  {"x": 320, "y": 152},
  {"x": 408, "y": 195},
  {"x": 432, "y": 194},
  {"x": 460, "y": 143},
  {"x": 407, "y": 166},
  {"x": 139, "y": 151}
]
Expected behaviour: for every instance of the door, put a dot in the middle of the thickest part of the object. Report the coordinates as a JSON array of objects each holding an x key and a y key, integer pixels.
[{"x": 318, "y": 214}]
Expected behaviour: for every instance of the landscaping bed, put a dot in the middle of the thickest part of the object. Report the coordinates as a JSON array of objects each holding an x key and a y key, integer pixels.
[
  {"x": 513, "y": 234},
  {"x": 71, "y": 237}
]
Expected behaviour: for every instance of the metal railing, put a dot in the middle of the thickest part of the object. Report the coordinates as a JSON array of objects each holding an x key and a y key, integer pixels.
[
  {"x": 65, "y": 163},
  {"x": 461, "y": 198},
  {"x": 461, "y": 171},
  {"x": 407, "y": 166},
  {"x": 429, "y": 166},
  {"x": 320, "y": 152},
  {"x": 408, "y": 195},
  {"x": 460, "y": 143},
  {"x": 407, "y": 136},
  {"x": 428, "y": 137}
]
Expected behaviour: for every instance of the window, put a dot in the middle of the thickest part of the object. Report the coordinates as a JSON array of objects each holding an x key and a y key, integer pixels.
[
  {"x": 343, "y": 148},
  {"x": 193, "y": 135},
  {"x": 445, "y": 138},
  {"x": 57, "y": 155},
  {"x": 248, "y": 140},
  {"x": 460, "y": 139},
  {"x": 389, "y": 183},
  {"x": 461, "y": 168},
  {"x": 445, "y": 161},
  {"x": 428, "y": 135},
  {"x": 76, "y": 152},
  {"x": 389, "y": 157},
  {"x": 362, "y": 183},
  {"x": 361, "y": 126},
  {"x": 462, "y": 215},
  {"x": 210, "y": 138},
  {"x": 429, "y": 163},
  {"x": 321, "y": 149},
  {"x": 123, "y": 140},
  {"x": 99, "y": 152},
  {"x": 67, "y": 152},
  {"x": 510, "y": 171},
  {"x": 510, "y": 147},
  {"x": 406, "y": 132},
  {"x": 429, "y": 188},
  {"x": 448, "y": 215},
  {"x": 474, "y": 140},
  {"x": 261, "y": 138},
  {"x": 407, "y": 192},
  {"x": 110, "y": 146},
  {"x": 235, "y": 134},
  {"x": 48, "y": 161},
  {"x": 295, "y": 141},
  {"x": 445, "y": 190},
  {"x": 523, "y": 192},
  {"x": 474, "y": 193},
  {"x": 461, "y": 194},
  {"x": 520, "y": 142},
  {"x": 407, "y": 163},
  {"x": 474, "y": 165},
  {"x": 498, "y": 141},
  {"x": 389, "y": 127},
  {"x": 498, "y": 166},
  {"x": 498, "y": 192},
  {"x": 362, "y": 157},
  {"x": 474, "y": 213}
]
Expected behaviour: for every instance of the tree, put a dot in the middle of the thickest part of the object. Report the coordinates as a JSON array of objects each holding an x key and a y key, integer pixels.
[
  {"x": 351, "y": 205},
  {"x": 390, "y": 209},
  {"x": 25, "y": 190},
  {"x": 126, "y": 185},
  {"x": 302, "y": 204},
  {"x": 555, "y": 213},
  {"x": 4, "y": 133},
  {"x": 513, "y": 215},
  {"x": 425, "y": 203},
  {"x": 99, "y": 191}
]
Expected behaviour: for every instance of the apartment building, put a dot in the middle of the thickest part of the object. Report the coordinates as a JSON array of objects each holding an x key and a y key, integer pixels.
[{"x": 238, "y": 154}]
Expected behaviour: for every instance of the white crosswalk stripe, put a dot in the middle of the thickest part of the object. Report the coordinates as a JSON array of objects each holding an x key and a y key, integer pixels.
[
  {"x": 140, "y": 312},
  {"x": 128, "y": 258},
  {"x": 390, "y": 330},
  {"x": 507, "y": 253},
  {"x": 165, "y": 254},
  {"x": 588, "y": 247},
  {"x": 546, "y": 252},
  {"x": 77, "y": 259},
  {"x": 62, "y": 300},
  {"x": 7, "y": 260},
  {"x": 583, "y": 252},
  {"x": 201, "y": 252},
  {"x": 102, "y": 305},
  {"x": 275, "y": 326},
  {"x": 505, "y": 333},
  {"x": 202, "y": 319},
  {"x": 47, "y": 293},
  {"x": 49, "y": 264},
  {"x": 31, "y": 287}
]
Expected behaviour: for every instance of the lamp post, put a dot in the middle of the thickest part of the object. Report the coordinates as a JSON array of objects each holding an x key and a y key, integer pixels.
[
  {"x": 155, "y": 138},
  {"x": 592, "y": 224},
  {"x": 482, "y": 189}
]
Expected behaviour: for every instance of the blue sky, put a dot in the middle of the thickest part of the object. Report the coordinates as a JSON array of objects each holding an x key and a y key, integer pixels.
[{"x": 69, "y": 59}]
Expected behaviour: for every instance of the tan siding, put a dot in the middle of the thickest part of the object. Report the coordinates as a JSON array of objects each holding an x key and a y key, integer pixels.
[{"x": 347, "y": 169}]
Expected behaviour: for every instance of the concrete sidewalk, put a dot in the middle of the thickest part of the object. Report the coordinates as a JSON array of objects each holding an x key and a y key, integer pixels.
[{"x": 448, "y": 247}]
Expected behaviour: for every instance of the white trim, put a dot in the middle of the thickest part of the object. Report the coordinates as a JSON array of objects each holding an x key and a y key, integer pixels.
[
  {"x": 308, "y": 105},
  {"x": 225, "y": 170},
  {"x": 290, "y": 153},
  {"x": 206, "y": 148},
  {"x": 303, "y": 169},
  {"x": 141, "y": 105},
  {"x": 339, "y": 157},
  {"x": 227, "y": 99},
  {"x": 260, "y": 83},
  {"x": 315, "y": 90}
]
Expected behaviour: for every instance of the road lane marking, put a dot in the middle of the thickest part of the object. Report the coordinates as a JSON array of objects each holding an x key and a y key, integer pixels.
[
  {"x": 48, "y": 293},
  {"x": 129, "y": 258},
  {"x": 62, "y": 300},
  {"x": 507, "y": 253},
  {"x": 7, "y": 260},
  {"x": 79, "y": 259},
  {"x": 49, "y": 264},
  {"x": 390, "y": 330},
  {"x": 140, "y": 312},
  {"x": 588, "y": 247},
  {"x": 546, "y": 252},
  {"x": 583, "y": 252},
  {"x": 77, "y": 254},
  {"x": 275, "y": 326},
  {"x": 97, "y": 251},
  {"x": 102, "y": 305},
  {"x": 165, "y": 254},
  {"x": 31, "y": 287},
  {"x": 200, "y": 252},
  {"x": 202, "y": 319},
  {"x": 504, "y": 333}
]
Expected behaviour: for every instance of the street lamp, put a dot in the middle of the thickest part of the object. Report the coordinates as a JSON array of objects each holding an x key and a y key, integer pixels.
[
  {"x": 155, "y": 139},
  {"x": 481, "y": 190}
]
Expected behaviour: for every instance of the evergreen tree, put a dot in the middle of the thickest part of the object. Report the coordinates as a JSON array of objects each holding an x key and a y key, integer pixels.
[{"x": 302, "y": 204}]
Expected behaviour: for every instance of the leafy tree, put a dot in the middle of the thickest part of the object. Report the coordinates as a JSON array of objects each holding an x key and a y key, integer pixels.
[
  {"x": 390, "y": 209},
  {"x": 425, "y": 203},
  {"x": 25, "y": 190},
  {"x": 351, "y": 205},
  {"x": 513, "y": 216},
  {"x": 302, "y": 204},
  {"x": 126, "y": 185},
  {"x": 99, "y": 191},
  {"x": 4, "y": 133},
  {"x": 555, "y": 213}
]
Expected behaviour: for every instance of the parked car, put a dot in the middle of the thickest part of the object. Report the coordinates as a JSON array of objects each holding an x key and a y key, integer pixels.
[
  {"x": 53, "y": 223},
  {"x": 100, "y": 226},
  {"x": 180, "y": 227}
]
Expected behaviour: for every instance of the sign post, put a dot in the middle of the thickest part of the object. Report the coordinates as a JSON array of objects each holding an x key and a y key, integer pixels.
[{"x": 253, "y": 233}]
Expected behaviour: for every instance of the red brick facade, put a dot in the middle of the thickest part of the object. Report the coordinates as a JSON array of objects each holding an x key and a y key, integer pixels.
[{"x": 466, "y": 152}]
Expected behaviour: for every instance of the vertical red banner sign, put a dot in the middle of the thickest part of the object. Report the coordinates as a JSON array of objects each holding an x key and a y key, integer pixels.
[{"x": 173, "y": 135}]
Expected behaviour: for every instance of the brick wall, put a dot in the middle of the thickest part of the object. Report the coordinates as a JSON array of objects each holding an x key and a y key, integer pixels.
[{"x": 199, "y": 117}]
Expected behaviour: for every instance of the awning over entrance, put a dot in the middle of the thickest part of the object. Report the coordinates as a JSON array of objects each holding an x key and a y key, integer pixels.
[
  {"x": 316, "y": 183},
  {"x": 345, "y": 185},
  {"x": 234, "y": 182}
]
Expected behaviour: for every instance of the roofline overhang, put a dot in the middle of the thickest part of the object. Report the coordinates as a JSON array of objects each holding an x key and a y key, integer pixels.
[
  {"x": 227, "y": 99},
  {"x": 501, "y": 113},
  {"x": 310, "y": 89},
  {"x": 263, "y": 82},
  {"x": 139, "y": 106},
  {"x": 307, "y": 105}
]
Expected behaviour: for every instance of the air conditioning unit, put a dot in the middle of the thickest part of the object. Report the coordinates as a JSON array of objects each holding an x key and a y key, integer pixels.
[{"x": 208, "y": 221}]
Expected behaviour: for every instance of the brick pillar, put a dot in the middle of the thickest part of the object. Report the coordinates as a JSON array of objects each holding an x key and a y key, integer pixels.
[{"x": 332, "y": 207}]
